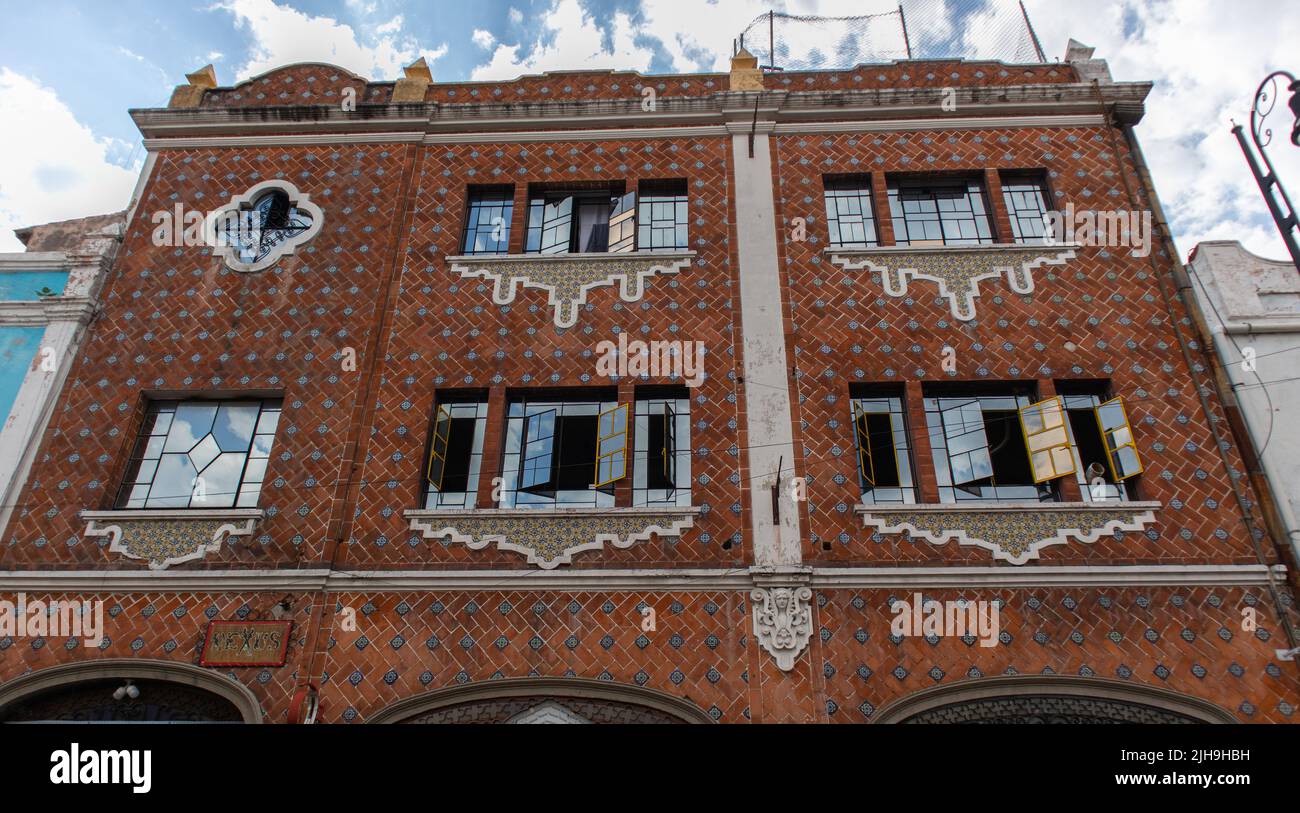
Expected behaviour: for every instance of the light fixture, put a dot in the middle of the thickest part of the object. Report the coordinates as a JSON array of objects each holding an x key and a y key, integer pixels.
[{"x": 128, "y": 689}]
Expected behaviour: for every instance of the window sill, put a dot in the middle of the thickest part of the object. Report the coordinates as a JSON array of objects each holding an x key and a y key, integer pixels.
[
  {"x": 568, "y": 278},
  {"x": 550, "y": 537},
  {"x": 1013, "y": 532},
  {"x": 957, "y": 270},
  {"x": 168, "y": 536}
]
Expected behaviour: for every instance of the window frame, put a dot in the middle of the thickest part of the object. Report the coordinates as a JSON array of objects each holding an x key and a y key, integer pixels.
[
  {"x": 457, "y": 407},
  {"x": 1009, "y": 399},
  {"x": 658, "y": 193},
  {"x": 835, "y": 188},
  {"x": 648, "y": 407},
  {"x": 973, "y": 190},
  {"x": 198, "y": 498},
  {"x": 894, "y": 406},
  {"x": 477, "y": 200},
  {"x": 1012, "y": 183}
]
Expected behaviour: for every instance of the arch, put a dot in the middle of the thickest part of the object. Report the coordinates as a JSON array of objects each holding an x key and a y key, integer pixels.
[
  {"x": 544, "y": 691},
  {"x": 1046, "y": 696},
  {"x": 68, "y": 676}
]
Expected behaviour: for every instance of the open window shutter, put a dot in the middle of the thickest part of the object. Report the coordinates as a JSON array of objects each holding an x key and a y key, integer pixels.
[
  {"x": 866, "y": 464},
  {"x": 670, "y": 448},
  {"x": 967, "y": 442},
  {"x": 557, "y": 226},
  {"x": 611, "y": 446},
  {"x": 1047, "y": 440},
  {"x": 536, "y": 470},
  {"x": 1117, "y": 434},
  {"x": 622, "y": 224},
  {"x": 438, "y": 449}
]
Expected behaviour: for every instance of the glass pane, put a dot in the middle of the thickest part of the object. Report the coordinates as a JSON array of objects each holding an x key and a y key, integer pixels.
[
  {"x": 192, "y": 422},
  {"x": 204, "y": 453},
  {"x": 248, "y": 496},
  {"x": 262, "y": 446},
  {"x": 221, "y": 481},
  {"x": 233, "y": 428},
  {"x": 155, "y": 446},
  {"x": 267, "y": 423},
  {"x": 255, "y": 472},
  {"x": 174, "y": 482}
]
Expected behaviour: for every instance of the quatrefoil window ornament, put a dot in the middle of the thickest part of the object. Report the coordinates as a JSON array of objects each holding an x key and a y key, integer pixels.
[{"x": 260, "y": 227}]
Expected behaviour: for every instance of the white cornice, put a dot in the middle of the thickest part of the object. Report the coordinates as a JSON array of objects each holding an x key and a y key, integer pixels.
[
  {"x": 615, "y": 580},
  {"x": 34, "y": 261},
  {"x": 47, "y": 310}
]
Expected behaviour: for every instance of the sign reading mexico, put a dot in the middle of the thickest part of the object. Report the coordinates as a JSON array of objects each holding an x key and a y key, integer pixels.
[{"x": 246, "y": 643}]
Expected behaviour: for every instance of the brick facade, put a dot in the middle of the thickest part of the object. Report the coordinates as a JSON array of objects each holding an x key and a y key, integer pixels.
[{"x": 376, "y": 282}]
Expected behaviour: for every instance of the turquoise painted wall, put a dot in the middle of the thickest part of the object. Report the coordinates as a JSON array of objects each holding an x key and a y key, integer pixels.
[
  {"x": 18, "y": 347},
  {"x": 21, "y": 286}
]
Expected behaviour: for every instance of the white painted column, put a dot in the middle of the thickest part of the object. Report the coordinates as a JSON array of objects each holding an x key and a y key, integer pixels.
[{"x": 768, "y": 414}]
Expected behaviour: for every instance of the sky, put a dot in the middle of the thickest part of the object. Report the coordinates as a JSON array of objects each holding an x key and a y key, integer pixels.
[{"x": 70, "y": 71}]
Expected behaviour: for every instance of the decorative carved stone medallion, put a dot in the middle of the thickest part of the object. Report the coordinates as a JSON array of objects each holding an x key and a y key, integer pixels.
[
  {"x": 782, "y": 622},
  {"x": 1014, "y": 533},
  {"x": 567, "y": 278},
  {"x": 957, "y": 270},
  {"x": 550, "y": 538},
  {"x": 166, "y": 538}
]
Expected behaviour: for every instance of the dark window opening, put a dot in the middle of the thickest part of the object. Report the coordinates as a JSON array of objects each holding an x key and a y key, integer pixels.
[
  {"x": 1007, "y": 450},
  {"x": 881, "y": 468}
]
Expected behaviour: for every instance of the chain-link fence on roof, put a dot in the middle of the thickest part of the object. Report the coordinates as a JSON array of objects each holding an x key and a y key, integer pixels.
[{"x": 915, "y": 29}]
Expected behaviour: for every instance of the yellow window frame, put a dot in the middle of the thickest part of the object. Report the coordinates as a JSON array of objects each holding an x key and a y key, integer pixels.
[
  {"x": 619, "y": 452},
  {"x": 1124, "y": 430},
  {"x": 441, "y": 436},
  {"x": 1047, "y": 440},
  {"x": 866, "y": 463}
]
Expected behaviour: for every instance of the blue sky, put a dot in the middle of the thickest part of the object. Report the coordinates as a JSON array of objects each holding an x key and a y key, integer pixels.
[{"x": 69, "y": 72}]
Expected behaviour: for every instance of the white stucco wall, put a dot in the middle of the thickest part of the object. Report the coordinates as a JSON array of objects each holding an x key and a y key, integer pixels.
[{"x": 1254, "y": 304}]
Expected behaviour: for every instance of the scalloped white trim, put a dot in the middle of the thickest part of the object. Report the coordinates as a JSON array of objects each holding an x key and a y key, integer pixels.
[
  {"x": 1063, "y": 535},
  {"x": 1020, "y": 278},
  {"x": 631, "y": 287},
  {"x": 114, "y": 533},
  {"x": 435, "y": 530}
]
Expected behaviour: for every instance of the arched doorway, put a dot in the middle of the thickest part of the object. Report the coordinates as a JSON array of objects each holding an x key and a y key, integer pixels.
[
  {"x": 543, "y": 700},
  {"x": 1048, "y": 699},
  {"x": 127, "y": 691}
]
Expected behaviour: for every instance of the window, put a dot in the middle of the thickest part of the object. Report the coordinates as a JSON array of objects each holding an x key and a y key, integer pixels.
[
  {"x": 662, "y": 216},
  {"x": 980, "y": 451},
  {"x": 884, "y": 460},
  {"x": 455, "y": 455},
  {"x": 201, "y": 454},
  {"x": 564, "y": 452},
  {"x": 1026, "y": 199},
  {"x": 587, "y": 221},
  {"x": 253, "y": 234},
  {"x": 487, "y": 220},
  {"x": 661, "y": 473},
  {"x": 1105, "y": 457},
  {"x": 850, "y": 215},
  {"x": 937, "y": 212}
]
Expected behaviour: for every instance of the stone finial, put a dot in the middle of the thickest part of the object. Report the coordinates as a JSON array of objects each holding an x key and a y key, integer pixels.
[
  {"x": 745, "y": 74},
  {"x": 1089, "y": 68},
  {"x": 190, "y": 95},
  {"x": 412, "y": 86}
]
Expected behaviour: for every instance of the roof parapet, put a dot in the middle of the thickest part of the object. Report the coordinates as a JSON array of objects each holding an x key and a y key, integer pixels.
[{"x": 412, "y": 87}]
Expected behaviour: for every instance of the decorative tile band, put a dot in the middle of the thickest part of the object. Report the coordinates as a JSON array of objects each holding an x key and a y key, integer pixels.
[
  {"x": 1014, "y": 533},
  {"x": 957, "y": 270},
  {"x": 567, "y": 278},
  {"x": 550, "y": 539},
  {"x": 170, "y": 538}
]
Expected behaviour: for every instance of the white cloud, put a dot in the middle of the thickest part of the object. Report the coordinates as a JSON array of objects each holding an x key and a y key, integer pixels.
[
  {"x": 64, "y": 171},
  {"x": 282, "y": 35},
  {"x": 1206, "y": 60},
  {"x": 576, "y": 43},
  {"x": 483, "y": 39},
  {"x": 516, "y": 16}
]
